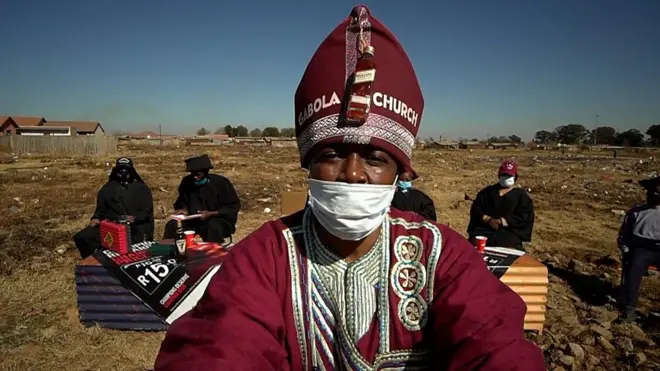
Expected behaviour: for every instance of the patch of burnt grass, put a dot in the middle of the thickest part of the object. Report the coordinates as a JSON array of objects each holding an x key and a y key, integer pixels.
[
  {"x": 16, "y": 331},
  {"x": 27, "y": 241}
]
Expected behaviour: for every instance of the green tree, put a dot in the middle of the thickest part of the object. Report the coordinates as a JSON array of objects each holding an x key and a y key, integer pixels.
[
  {"x": 515, "y": 139},
  {"x": 229, "y": 130},
  {"x": 203, "y": 131},
  {"x": 630, "y": 138},
  {"x": 288, "y": 132},
  {"x": 240, "y": 131},
  {"x": 545, "y": 137},
  {"x": 603, "y": 135},
  {"x": 271, "y": 132},
  {"x": 255, "y": 133},
  {"x": 572, "y": 134},
  {"x": 654, "y": 133}
]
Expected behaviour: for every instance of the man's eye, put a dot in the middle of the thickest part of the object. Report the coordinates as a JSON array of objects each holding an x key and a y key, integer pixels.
[
  {"x": 329, "y": 155},
  {"x": 375, "y": 159}
]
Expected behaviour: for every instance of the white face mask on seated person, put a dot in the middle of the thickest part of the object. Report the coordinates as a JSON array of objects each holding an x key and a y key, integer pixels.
[
  {"x": 350, "y": 211},
  {"x": 507, "y": 181}
]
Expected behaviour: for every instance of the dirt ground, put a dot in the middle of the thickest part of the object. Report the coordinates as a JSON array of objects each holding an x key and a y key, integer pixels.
[{"x": 579, "y": 202}]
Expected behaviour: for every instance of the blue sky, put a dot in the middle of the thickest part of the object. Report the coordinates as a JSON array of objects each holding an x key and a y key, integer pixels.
[{"x": 486, "y": 67}]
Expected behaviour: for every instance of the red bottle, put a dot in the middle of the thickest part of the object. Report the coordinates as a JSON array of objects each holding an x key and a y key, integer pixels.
[{"x": 360, "y": 95}]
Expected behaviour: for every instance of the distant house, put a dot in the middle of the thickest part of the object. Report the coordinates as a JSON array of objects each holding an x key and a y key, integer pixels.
[
  {"x": 28, "y": 120},
  {"x": 81, "y": 127},
  {"x": 63, "y": 131},
  {"x": 10, "y": 125},
  {"x": 219, "y": 137},
  {"x": 22, "y": 125},
  {"x": 502, "y": 145},
  {"x": 144, "y": 135},
  {"x": 471, "y": 145},
  {"x": 252, "y": 141},
  {"x": 7, "y": 125},
  {"x": 208, "y": 139},
  {"x": 283, "y": 142},
  {"x": 448, "y": 144},
  {"x": 441, "y": 145},
  {"x": 214, "y": 138},
  {"x": 542, "y": 146}
]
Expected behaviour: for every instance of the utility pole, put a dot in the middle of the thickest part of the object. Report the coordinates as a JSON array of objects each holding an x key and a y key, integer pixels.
[{"x": 160, "y": 134}]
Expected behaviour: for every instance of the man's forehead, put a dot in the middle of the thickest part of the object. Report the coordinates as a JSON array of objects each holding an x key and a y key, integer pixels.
[{"x": 350, "y": 148}]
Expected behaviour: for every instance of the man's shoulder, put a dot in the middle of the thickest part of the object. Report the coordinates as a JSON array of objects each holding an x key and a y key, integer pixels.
[
  {"x": 218, "y": 177},
  {"x": 412, "y": 223},
  {"x": 521, "y": 192},
  {"x": 635, "y": 210},
  {"x": 489, "y": 188},
  {"x": 437, "y": 238},
  {"x": 272, "y": 236},
  {"x": 187, "y": 179},
  {"x": 110, "y": 184},
  {"x": 139, "y": 184},
  {"x": 419, "y": 193}
]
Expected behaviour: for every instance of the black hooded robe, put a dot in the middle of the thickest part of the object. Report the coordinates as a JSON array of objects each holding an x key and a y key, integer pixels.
[
  {"x": 516, "y": 207},
  {"x": 416, "y": 201},
  {"x": 114, "y": 200},
  {"x": 218, "y": 194}
]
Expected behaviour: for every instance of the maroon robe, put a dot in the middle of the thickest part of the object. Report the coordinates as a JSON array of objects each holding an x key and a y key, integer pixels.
[{"x": 269, "y": 309}]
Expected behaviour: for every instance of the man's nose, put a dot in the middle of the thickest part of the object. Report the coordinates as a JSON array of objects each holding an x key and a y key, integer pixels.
[{"x": 353, "y": 170}]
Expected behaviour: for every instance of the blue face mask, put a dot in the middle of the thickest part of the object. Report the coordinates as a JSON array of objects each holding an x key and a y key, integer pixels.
[
  {"x": 201, "y": 181},
  {"x": 404, "y": 185}
]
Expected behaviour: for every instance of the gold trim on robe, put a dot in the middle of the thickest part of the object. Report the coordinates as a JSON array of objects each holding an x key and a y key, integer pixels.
[{"x": 335, "y": 303}]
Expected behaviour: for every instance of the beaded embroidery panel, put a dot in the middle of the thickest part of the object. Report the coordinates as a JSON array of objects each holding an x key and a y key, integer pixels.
[{"x": 336, "y": 302}]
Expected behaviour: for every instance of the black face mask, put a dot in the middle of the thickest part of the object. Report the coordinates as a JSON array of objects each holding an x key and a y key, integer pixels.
[{"x": 124, "y": 175}]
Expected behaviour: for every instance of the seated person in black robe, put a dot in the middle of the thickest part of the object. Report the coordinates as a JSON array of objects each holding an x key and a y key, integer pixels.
[
  {"x": 503, "y": 213},
  {"x": 124, "y": 196},
  {"x": 211, "y": 195},
  {"x": 407, "y": 198}
]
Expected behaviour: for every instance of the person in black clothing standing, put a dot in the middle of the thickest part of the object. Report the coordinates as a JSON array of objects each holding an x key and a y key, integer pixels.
[
  {"x": 124, "y": 197},
  {"x": 502, "y": 212},
  {"x": 639, "y": 242},
  {"x": 210, "y": 195},
  {"x": 407, "y": 198}
]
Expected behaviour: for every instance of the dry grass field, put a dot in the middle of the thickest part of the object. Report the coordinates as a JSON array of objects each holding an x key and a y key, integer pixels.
[{"x": 45, "y": 201}]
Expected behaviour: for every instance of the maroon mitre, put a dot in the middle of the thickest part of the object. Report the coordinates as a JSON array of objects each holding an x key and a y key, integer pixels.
[{"x": 396, "y": 99}]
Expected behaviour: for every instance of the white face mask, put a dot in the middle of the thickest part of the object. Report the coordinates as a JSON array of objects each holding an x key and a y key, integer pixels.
[
  {"x": 507, "y": 181},
  {"x": 349, "y": 211}
]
